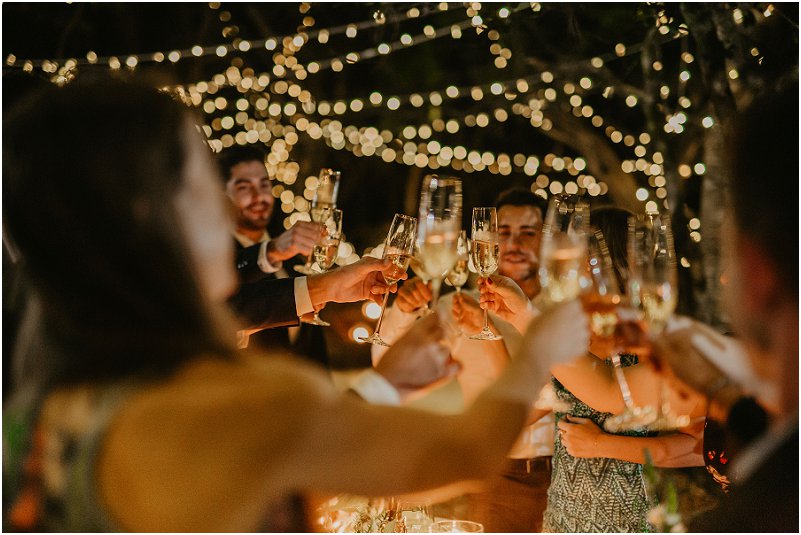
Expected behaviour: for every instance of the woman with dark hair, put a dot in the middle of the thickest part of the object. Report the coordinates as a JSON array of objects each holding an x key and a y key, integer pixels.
[
  {"x": 141, "y": 415},
  {"x": 596, "y": 479}
]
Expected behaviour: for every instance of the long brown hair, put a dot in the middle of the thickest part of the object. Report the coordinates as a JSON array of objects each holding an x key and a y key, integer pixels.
[
  {"x": 613, "y": 224},
  {"x": 90, "y": 175}
]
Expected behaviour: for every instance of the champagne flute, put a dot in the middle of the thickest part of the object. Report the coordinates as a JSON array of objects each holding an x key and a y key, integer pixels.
[
  {"x": 601, "y": 303},
  {"x": 325, "y": 251},
  {"x": 563, "y": 254},
  {"x": 438, "y": 229},
  {"x": 457, "y": 276},
  {"x": 652, "y": 262},
  {"x": 325, "y": 200},
  {"x": 654, "y": 288},
  {"x": 652, "y": 291},
  {"x": 398, "y": 248},
  {"x": 485, "y": 252}
]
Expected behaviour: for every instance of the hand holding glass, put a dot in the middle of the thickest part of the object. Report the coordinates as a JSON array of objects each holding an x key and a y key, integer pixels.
[
  {"x": 325, "y": 200},
  {"x": 325, "y": 251},
  {"x": 398, "y": 248},
  {"x": 485, "y": 250}
]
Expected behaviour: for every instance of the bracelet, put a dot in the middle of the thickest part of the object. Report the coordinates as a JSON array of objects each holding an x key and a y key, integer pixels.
[{"x": 716, "y": 386}]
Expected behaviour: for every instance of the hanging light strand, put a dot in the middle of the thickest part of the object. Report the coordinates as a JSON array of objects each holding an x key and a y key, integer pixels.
[{"x": 91, "y": 58}]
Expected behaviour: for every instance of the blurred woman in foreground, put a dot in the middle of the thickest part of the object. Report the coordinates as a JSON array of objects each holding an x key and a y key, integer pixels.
[{"x": 141, "y": 415}]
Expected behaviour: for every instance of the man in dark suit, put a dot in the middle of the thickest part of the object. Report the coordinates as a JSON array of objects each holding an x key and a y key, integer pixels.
[
  {"x": 762, "y": 287},
  {"x": 258, "y": 255}
]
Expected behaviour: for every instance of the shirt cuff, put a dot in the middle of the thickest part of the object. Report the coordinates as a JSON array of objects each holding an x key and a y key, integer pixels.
[
  {"x": 265, "y": 264},
  {"x": 374, "y": 388},
  {"x": 303, "y": 303},
  {"x": 242, "y": 339}
]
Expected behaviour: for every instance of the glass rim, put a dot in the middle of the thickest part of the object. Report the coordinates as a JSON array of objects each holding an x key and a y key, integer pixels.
[{"x": 329, "y": 171}]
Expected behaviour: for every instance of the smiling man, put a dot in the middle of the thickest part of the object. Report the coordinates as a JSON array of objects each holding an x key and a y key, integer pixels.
[
  {"x": 520, "y": 215},
  {"x": 251, "y": 192},
  {"x": 258, "y": 255}
]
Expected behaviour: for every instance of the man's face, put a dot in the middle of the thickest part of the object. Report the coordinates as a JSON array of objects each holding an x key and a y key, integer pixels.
[
  {"x": 519, "y": 230},
  {"x": 251, "y": 192}
]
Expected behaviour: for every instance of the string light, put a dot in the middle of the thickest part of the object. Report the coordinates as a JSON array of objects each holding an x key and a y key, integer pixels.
[
  {"x": 472, "y": 160},
  {"x": 244, "y": 46}
]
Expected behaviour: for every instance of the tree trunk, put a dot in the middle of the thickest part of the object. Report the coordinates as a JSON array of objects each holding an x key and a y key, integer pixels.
[
  {"x": 711, "y": 55},
  {"x": 713, "y": 203}
]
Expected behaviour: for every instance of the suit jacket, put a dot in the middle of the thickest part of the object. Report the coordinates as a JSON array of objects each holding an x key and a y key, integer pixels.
[
  {"x": 765, "y": 502},
  {"x": 266, "y": 301},
  {"x": 247, "y": 264}
]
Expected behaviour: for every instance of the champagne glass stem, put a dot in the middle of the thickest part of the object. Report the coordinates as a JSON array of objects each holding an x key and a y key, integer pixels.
[
  {"x": 661, "y": 410},
  {"x": 436, "y": 283},
  {"x": 486, "y": 320},
  {"x": 381, "y": 315},
  {"x": 622, "y": 382}
]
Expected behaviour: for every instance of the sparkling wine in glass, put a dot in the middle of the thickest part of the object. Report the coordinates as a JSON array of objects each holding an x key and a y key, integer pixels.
[
  {"x": 438, "y": 227},
  {"x": 398, "y": 248},
  {"x": 652, "y": 263},
  {"x": 457, "y": 276},
  {"x": 485, "y": 251},
  {"x": 325, "y": 200},
  {"x": 563, "y": 254},
  {"x": 602, "y": 296},
  {"x": 325, "y": 251}
]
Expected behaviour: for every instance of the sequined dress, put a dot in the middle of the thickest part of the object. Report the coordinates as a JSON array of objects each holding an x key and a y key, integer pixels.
[{"x": 595, "y": 494}]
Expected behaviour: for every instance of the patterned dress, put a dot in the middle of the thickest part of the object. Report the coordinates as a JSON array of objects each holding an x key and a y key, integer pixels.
[{"x": 596, "y": 494}]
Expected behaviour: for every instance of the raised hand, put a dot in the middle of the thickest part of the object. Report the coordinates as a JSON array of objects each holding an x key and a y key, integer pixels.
[
  {"x": 356, "y": 282},
  {"x": 502, "y": 295},
  {"x": 298, "y": 240},
  {"x": 467, "y": 313},
  {"x": 505, "y": 298},
  {"x": 419, "y": 358},
  {"x": 413, "y": 294}
]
